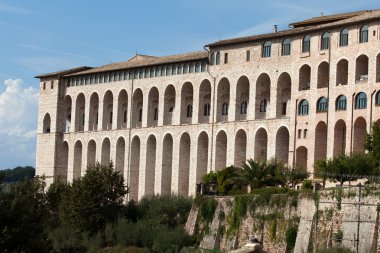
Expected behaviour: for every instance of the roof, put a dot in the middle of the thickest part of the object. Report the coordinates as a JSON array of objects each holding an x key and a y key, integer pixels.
[
  {"x": 64, "y": 72},
  {"x": 308, "y": 25},
  {"x": 144, "y": 61}
]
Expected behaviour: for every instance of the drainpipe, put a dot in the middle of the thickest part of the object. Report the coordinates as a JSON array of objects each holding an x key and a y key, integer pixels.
[
  {"x": 352, "y": 119},
  {"x": 295, "y": 134},
  {"x": 213, "y": 114},
  {"x": 370, "y": 111},
  {"x": 129, "y": 136},
  {"x": 328, "y": 95}
]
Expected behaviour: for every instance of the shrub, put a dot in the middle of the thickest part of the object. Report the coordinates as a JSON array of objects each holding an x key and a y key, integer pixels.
[{"x": 291, "y": 236}]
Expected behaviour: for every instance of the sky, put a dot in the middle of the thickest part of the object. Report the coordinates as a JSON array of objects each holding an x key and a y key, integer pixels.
[{"x": 43, "y": 36}]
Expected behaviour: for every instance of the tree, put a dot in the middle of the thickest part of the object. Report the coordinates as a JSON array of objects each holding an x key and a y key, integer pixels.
[
  {"x": 18, "y": 174},
  {"x": 94, "y": 199},
  {"x": 372, "y": 144},
  {"x": 292, "y": 176},
  {"x": 258, "y": 174},
  {"x": 222, "y": 179}
]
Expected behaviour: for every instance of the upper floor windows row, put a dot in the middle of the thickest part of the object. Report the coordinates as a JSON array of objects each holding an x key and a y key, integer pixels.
[{"x": 194, "y": 67}]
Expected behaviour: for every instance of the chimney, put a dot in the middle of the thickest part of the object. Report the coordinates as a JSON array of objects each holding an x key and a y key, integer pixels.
[{"x": 274, "y": 28}]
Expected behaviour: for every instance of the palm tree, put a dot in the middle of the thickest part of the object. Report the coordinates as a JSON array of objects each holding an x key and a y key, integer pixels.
[{"x": 258, "y": 174}]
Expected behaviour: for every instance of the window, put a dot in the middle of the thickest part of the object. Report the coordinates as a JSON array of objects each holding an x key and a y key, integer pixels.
[
  {"x": 185, "y": 68},
  {"x": 152, "y": 72},
  {"x": 248, "y": 55},
  {"x": 44, "y": 85},
  {"x": 303, "y": 108},
  {"x": 51, "y": 84},
  {"x": 97, "y": 79},
  {"x": 121, "y": 76},
  {"x": 191, "y": 70},
  {"x": 169, "y": 71},
  {"x": 343, "y": 39},
  {"x": 225, "y": 58},
  {"x": 322, "y": 105},
  {"x": 198, "y": 67},
  {"x": 363, "y": 37},
  {"x": 155, "y": 116},
  {"x": 141, "y": 75},
  {"x": 174, "y": 70},
  {"x": 101, "y": 79},
  {"x": 212, "y": 58},
  {"x": 125, "y": 75},
  {"x": 217, "y": 58},
  {"x": 325, "y": 41},
  {"x": 377, "y": 98},
  {"x": 204, "y": 66},
  {"x": 206, "y": 109},
  {"x": 140, "y": 115},
  {"x": 299, "y": 133},
  {"x": 286, "y": 47},
  {"x": 163, "y": 71},
  {"x": 263, "y": 105},
  {"x": 157, "y": 71},
  {"x": 305, "y": 133},
  {"x": 266, "y": 51},
  {"x": 189, "y": 111},
  {"x": 136, "y": 74},
  {"x": 82, "y": 81},
  {"x": 341, "y": 103},
  {"x": 225, "y": 108},
  {"x": 179, "y": 70},
  {"x": 146, "y": 75},
  {"x": 243, "y": 107},
  {"x": 361, "y": 101},
  {"x": 306, "y": 44}
]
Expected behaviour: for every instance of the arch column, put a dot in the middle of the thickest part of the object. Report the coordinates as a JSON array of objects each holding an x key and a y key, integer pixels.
[
  {"x": 175, "y": 171},
  {"x": 100, "y": 113},
  {"x": 115, "y": 111},
  {"x": 195, "y": 104},
  {"x": 161, "y": 104},
  {"x": 86, "y": 113},
  {"x": 232, "y": 103},
  {"x": 142, "y": 171},
  {"x": 144, "y": 120},
  {"x": 176, "y": 118},
  {"x": 193, "y": 165},
  {"x": 70, "y": 165},
  {"x": 158, "y": 166},
  {"x": 84, "y": 157}
]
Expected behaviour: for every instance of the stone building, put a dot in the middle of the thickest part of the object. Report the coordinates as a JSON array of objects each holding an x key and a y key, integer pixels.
[{"x": 300, "y": 95}]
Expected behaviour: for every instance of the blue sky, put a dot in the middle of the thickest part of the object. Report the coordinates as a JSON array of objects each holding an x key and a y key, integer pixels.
[{"x": 46, "y": 35}]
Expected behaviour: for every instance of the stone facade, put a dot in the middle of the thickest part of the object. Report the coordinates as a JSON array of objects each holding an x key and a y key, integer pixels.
[{"x": 163, "y": 131}]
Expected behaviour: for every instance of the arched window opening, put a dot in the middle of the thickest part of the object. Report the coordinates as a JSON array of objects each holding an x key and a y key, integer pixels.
[
  {"x": 266, "y": 51},
  {"x": 325, "y": 41},
  {"x": 243, "y": 107},
  {"x": 204, "y": 66},
  {"x": 189, "y": 111},
  {"x": 303, "y": 108},
  {"x": 304, "y": 77},
  {"x": 198, "y": 67},
  {"x": 179, "y": 70},
  {"x": 191, "y": 69},
  {"x": 341, "y": 103},
  {"x": 263, "y": 105},
  {"x": 322, "y": 105},
  {"x": 377, "y": 101},
  {"x": 342, "y": 72},
  {"x": 46, "y": 124},
  {"x": 152, "y": 72},
  {"x": 206, "y": 109},
  {"x": 363, "y": 37},
  {"x": 225, "y": 108},
  {"x": 306, "y": 44},
  {"x": 361, "y": 101},
  {"x": 286, "y": 47},
  {"x": 343, "y": 39},
  {"x": 185, "y": 68},
  {"x": 163, "y": 71},
  {"x": 217, "y": 58},
  {"x": 361, "y": 69},
  {"x": 212, "y": 61},
  {"x": 323, "y": 75},
  {"x": 174, "y": 70}
]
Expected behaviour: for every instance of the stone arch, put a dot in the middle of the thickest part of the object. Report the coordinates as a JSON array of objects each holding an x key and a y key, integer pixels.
[
  {"x": 186, "y": 100},
  {"x": 46, "y": 124},
  {"x": 120, "y": 155},
  {"x": 107, "y": 110},
  {"x": 91, "y": 153},
  {"x": 67, "y": 114},
  {"x": 122, "y": 110},
  {"x": 242, "y": 98},
  {"x": 240, "y": 147},
  {"x": 284, "y": 86},
  {"x": 301, "y": 157},
  {"x": 223, "y": 98},
  {"x": 378, "y": 68},
  {"x": 323, "y": 75},
  {"x": 304, "y": 77},
  {"x": 150, "y": 166},
  {"x": 360, "y": 132},
  {"x": 184, "y": 165},
  {"x": 320, "y": 142},
  {"x": 261, "y": 145},
  {"x": 339, "y": 138},
  {"x": 167, "y": 165},
  {"x": 342, "y": 72},
  {"x": 202, "y": 156},
  {"x": 221, "y": 150},
  {"x": 204, "y": 108},
  {"x": 106, "y": 152},
  {"x": 94, "y": 112},
  {"x": 134, "y": 169},
  {"x": 263, "y": 84},
  {"x": 361, "y": 70},
  {"x": 137, "y": 108},
  {"x": 153, "y": 101},
  {"x": 282, "y": 144},
  {"x": 79, "y": 113},
  {"x": 77, "y": 165},
  {"x": 169, "y": 104},
  {"x": 64, "y": 162}
]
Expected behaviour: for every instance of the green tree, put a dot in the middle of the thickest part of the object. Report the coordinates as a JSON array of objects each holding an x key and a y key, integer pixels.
[
  {"x": 94, "y": 199},
  {"x": 222, "y": 178},
  {"x": 292, "y": 176},
  {"x": 372, "y": 144},
  {"x": 258, "y": 174}
]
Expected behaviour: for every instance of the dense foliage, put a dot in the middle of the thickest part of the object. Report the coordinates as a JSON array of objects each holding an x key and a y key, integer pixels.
[{"x": 17, "y": 174}]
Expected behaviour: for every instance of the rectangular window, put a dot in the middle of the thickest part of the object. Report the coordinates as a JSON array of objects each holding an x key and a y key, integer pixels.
[
  {"x": 204, "y": 66},
  {"x": 248, "y": 55},
  {"x": 146, "y": 75},
  {"x": 44, "y": 85},
  {"x": 299, "y": 133},
  {"x": 285, "y": 49},
  {"x": 305, "y": 133},
  {"x": 125, "y": 75},
  {"x": 325, "y": 43},
  {"x": 363, "y": 36},
  {"x": 169, "y": 71},
  {"x": 185, "y": 69},
  {"x": 284, "y": 108},
  {"x": 225, "y": 58},
  {"x": 306, "y": 46},
  {"x": 343, "y": 40},
  {"x": 51, "y": 84}
]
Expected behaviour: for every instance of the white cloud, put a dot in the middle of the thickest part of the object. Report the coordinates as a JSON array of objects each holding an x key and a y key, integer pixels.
[{"x": 18, "y": 122}]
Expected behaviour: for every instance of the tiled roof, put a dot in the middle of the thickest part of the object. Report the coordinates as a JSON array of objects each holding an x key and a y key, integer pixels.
[
  {"x": 64, "y": 72},
  {"x": 145, "y": 60},
  {"x": 344, "y": 19}
]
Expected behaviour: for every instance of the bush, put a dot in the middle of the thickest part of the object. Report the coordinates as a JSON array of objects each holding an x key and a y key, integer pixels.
[{"x": 291, "y": 236}]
